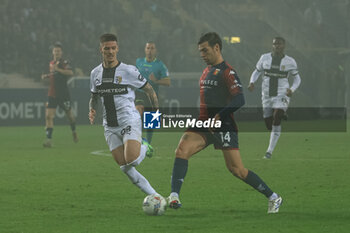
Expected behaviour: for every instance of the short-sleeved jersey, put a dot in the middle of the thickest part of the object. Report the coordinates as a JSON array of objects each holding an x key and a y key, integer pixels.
[
  {"x": 116, "y": 87},
  {"x": 218, "y": 85},
  {"x": 58, "y": 82},
  {"x": 156, "y": 67},
  {"x": 276, "y": 71}
]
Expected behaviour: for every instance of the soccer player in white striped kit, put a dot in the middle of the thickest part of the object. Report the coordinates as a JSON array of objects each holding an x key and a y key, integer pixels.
[
  {"x": 276, "y": 68},
  {"x": 114, "y": 83}
]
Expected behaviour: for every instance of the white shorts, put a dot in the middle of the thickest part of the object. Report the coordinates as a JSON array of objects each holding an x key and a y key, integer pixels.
[
  {"x": 117, "y": 136},
  {"x": 276, "y": 102}
]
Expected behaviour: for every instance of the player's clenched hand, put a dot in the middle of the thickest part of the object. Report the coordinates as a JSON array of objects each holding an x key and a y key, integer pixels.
[
  {"x": 289, "y": 92},
  {"x": 152, "y": 78},
  {"x": 92, "y": 114},
  {"x": 216, "y": 118},
  {"x": 251, "y": 87},
  {"x": 44, "y": 76}
]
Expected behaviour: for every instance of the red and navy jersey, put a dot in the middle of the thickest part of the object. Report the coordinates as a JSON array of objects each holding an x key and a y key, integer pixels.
[
  {"x": 58, "y": 82},
  {"x": 218, "y": 85}
]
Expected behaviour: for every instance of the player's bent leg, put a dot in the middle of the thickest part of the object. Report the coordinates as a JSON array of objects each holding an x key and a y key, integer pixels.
[
  {"x": 133, "y": 152},
  {"x": 234, "y": 163},
  {"x": 49, "y": 117},
  {"x": 134, "y": 176},
  {"x": 189, "y": 144},
  {"x": 118, "y": 155},
  {"x": 278, "y": 114},
  {"x": 137, "y": 179},
  {"x": 236, "y": 167},
  {"x": 268, "y": 122},
  {"x": 71, "y": 118},
  {"x": 275, "y": 132}
]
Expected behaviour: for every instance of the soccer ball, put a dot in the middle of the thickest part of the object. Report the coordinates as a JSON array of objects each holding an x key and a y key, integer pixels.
[{"x": 154, "y": 204}]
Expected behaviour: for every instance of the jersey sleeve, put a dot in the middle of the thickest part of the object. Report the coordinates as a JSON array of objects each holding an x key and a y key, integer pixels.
[
  {"x": 163, "y": 71},
  {"x": 259, "y": 64},
  {"x": 136, "y": 79},
  {"x": 294, "y": 68},
  {"x": 233, "y": 82},
  {"x": 92, "y": 83}
]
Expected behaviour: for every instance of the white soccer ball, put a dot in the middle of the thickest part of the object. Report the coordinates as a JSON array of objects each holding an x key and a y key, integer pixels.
[{"x": 154, "y": 204}]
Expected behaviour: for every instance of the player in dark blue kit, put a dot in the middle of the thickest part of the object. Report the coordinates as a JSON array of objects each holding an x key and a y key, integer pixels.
[{"x": 220, "y": 95}]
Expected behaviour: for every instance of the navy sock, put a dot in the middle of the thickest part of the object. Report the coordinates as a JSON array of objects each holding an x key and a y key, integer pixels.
[
  {"x": 179, "y": 173},
  {"x": 72, "y": 126},
  {"x": 256, "y": 182},
  {"x": 49, "y": 133}
]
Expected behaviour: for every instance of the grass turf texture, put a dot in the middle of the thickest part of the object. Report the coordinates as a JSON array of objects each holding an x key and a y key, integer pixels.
[{"x": 68, "y": 189}]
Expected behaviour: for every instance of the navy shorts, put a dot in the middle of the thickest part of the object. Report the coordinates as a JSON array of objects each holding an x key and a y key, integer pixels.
[
  {"x": 53, "y": 102},
  {"x": 225, "y": 138}
]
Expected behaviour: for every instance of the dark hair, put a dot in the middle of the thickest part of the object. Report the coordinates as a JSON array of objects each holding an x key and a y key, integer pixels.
[
  {"x": 57, "y": 44},
  {"x": 212, "y": 37},
  {"x": 108, "y": 37},
  {"x": 280, "y": 38}
]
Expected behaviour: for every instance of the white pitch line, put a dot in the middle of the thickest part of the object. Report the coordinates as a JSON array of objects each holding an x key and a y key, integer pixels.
[{"x": 101, "y": 153}]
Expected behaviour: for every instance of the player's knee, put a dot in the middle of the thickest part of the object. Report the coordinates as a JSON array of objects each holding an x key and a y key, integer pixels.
[
  {"x": 131, "y": 159},
  {"x": 181, "y": 153},
  {"x": 269, "y": 127},
  {"x": 277, "y": 116}
]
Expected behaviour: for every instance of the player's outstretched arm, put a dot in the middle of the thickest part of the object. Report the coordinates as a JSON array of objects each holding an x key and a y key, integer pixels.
[
  {"x": 251, "y": 87},
  {"x": 151, "y": 95},
  {"x": 92, "y": 106},
  {"x": 255, "y": 76},
  {"x": 164, "y": 81}
]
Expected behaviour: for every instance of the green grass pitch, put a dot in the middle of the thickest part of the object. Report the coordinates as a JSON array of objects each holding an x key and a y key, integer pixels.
[{"x": 77, "y": 188}]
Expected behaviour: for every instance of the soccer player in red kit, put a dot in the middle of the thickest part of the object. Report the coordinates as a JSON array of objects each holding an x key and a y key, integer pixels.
[
  {"x": 220, "y": 95},
  {"x": 58, "y": 94}
]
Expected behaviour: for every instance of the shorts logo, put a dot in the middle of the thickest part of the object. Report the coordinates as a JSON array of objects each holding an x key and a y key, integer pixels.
[
  {"x": 151, "y": 120},
  {"x": 140, "y": 77},
  {"x": 126, "y": 130}
]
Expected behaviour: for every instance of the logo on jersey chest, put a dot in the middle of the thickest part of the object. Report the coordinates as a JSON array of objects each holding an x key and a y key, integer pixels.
[
  {"x": 209, "y": 82},
  {"x": 112, "y": 89},
  {"x": 119, "y": 79},
  {"x": 216, "y": 71},
  {"x": 277, "y": 67}
]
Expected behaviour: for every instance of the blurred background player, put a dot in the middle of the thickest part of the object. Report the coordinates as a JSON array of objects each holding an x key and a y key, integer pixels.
[
  {"x": 114, "y": 83},
  {"x": 276, "y": 68},
  {"x": 156, "y": 74},
  {"x": 220, "y": 95},
  {"x": 58, "y": 94}
]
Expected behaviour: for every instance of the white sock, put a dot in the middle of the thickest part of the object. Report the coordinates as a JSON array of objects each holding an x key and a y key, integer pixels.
[
  {"x": 273, "y": 196},
  {"x": 173, "y": 194},
  {"x": 274, "y": 136},
  {"x": 141, "y": 157},
  {"x": 138, "y": 179}
]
